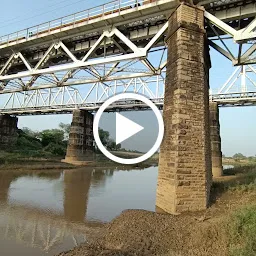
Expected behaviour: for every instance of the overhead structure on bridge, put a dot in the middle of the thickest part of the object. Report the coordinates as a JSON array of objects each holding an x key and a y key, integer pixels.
[
  {"x": 65, "y": 99},
  {"x": 239, "y": 89},
  {"x": 101, "y": 44},
  {"x": 242, "y": 80},
  {"x": 79, "y": 60}
]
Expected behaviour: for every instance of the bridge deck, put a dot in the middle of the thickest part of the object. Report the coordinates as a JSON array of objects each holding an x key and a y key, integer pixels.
[{"x": 116, "y": 12}]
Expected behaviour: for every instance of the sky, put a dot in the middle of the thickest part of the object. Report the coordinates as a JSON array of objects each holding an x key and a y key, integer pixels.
[{"x": 237, "y": 124}]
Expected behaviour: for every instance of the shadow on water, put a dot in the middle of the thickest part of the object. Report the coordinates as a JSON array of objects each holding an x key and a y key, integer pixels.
[{"x": 47, "y": 213}]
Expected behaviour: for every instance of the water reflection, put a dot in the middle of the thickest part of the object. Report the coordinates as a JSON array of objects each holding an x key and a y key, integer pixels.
[
  {"x": 227, "y": 166},
  {"x": 77, "y": 185},
  {"x": 50, "y": 213}
]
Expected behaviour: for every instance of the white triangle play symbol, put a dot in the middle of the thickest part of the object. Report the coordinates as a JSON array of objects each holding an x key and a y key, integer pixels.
[{"x": 125, "y": 128}]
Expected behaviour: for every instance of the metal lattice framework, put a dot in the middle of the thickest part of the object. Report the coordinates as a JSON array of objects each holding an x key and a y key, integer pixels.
[
  {"x": 242, "y": 80},
  {"x": 236, "y": 44},
  {"x": 68, "y": 98},
  {"x": 106, "y": 50},
  {"x": 95, "y": 68},
  {"x": 239, "y": 89}
]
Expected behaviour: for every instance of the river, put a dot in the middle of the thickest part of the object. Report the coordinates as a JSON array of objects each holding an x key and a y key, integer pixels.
[{"x": 50, "y": 213}]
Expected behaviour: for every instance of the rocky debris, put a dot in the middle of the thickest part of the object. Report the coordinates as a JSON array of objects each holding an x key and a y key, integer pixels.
[{"x": 143, "y": 233}]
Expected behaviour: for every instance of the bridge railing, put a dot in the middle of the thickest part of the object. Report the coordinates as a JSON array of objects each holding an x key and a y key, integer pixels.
[
  {"x": 233, "y": 96},
  {"x": 73, "y": 20}
]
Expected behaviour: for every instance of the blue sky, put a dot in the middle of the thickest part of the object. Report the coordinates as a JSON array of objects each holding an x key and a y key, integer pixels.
[{"x": 237, "y": 124}]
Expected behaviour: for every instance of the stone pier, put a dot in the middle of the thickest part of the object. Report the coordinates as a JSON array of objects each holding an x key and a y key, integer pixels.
[
  {"x": 8, "y": 131},
  {"x": 81, "y": 142},
  {"x": 184, "y": 178},
  {"x": 217, "y": 169}
]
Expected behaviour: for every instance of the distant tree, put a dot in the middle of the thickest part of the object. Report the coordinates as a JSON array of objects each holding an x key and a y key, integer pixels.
[
  {"x": 30, "y": 133},
  {"x": 55, "y": 149},
  {"x": 239, "y": 156},
  {"x": 252, "y": 158},
  {"x": 107, "y": 141},
  {"x": 66, "y": 128},
  {"x": 55, "y": 136},
  {"x": 118, "y": 146},
  {"x": 112, "y": 145},
  {"x": 27, "y": 140},
  {"x": 104, "y": 137}
]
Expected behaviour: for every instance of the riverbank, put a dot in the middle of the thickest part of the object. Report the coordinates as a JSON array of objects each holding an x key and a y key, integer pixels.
[
  {"x": 227, "y": 228},
  {"x": 16, "y": 162}
]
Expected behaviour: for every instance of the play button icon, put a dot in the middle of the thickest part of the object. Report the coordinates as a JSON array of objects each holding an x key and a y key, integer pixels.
[{"x": 125, "y": 128}]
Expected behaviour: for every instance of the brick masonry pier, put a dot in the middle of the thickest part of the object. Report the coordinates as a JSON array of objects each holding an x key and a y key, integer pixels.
[
  {"x": 217, "y": 169},
  {"x": 81, "y": 143},
  {"x": 184, "y": 178},
  {"x": 8, "y": 131}
]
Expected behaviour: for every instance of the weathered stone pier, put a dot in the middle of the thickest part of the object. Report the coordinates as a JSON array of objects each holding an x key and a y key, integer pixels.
[
  {"x": 185, "y": 175},
  {"x": 81, "y": 143},
  {"x": 8, "y": 131},
  {"x": 217, "y": 169}
]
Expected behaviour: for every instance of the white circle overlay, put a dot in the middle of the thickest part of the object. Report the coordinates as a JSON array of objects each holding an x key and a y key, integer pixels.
[{"x": 160, "y": 128}]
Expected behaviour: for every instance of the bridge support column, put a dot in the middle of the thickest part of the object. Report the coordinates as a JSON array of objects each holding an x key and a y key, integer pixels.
[
  {"x": 81, "y": 143},
  {"x": 217, "y": 169},
  {"x": 184, "y": 177},
  {"x": 8, "y": 131}
]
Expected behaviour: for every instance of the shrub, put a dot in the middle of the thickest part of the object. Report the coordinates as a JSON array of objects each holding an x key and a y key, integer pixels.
[
  {"x": 242, "y": 230},
  {"x": 56, "y": 149}
]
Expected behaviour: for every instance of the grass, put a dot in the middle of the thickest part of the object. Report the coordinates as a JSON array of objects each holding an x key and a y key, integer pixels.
[
  {"x": 242, "y": 231},
  {"x": 241, "y": 225},
  {"x": 239, "y": 179}
]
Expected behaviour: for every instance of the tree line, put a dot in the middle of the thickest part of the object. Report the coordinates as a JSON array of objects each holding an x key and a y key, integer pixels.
[
  {"x": 240, "y": 156},
  {"x": 53, "y": 142}
]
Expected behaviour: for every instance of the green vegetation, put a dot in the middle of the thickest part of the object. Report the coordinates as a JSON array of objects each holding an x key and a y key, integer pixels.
[
  {"x": 47, "y": 143},
  {"x": 239, "y": 158},
  {"x": 239, "y": 186},
  {"x": 242, "y": 229},
  {"x": 107, "y": 141},
  {"x": 243, "y": 179}
]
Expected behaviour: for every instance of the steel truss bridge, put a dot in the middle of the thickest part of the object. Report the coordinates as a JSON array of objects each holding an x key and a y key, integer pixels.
[{"x": 79, "y": 60}]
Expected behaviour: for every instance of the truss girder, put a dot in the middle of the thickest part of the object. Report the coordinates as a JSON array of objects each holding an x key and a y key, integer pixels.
[
  {"x": 60, "y": 66},
  {"x": 245, "y": 38},
  {"x": 130, "y": 51},
  {"x": 68, "y": 98},
  {"x": 89, "y": 61},
  {"x": 242, "y": 80}
]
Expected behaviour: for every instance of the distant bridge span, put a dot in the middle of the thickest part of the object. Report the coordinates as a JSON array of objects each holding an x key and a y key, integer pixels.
[{"x": 65, "y": 100}]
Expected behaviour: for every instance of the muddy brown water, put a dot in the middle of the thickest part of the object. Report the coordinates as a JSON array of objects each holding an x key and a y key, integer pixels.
[
  {"x": 50, "y": 213},
  {"x": 45, "y": 214}
]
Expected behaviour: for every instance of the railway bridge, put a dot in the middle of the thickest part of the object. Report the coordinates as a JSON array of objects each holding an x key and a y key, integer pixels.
[{"x": 159, "y": 48}]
